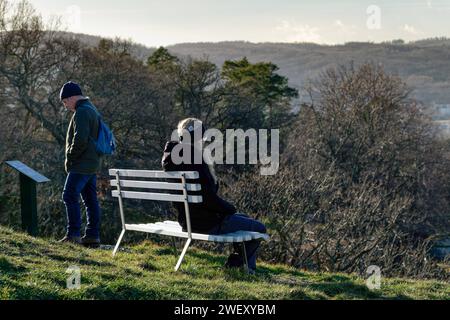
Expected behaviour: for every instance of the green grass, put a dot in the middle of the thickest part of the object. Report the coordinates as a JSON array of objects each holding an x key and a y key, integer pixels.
[{"x": 35, "y": 268}]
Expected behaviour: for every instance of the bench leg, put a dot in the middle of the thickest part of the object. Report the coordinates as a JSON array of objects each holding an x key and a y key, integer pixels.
[
  {"x": 244, "y": 254},
  {"x": 188, "y": 242},
  {"x": 118, "y": 242}
]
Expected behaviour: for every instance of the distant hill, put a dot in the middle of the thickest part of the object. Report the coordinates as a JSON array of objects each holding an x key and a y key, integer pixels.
[
  {"x": 424, "y": 64},
  {"x": 138, "y": 50}
]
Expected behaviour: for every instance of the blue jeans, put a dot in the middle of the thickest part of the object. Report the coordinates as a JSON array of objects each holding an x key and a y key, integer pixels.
[
  {"x": 242, "y": 222},
  {"x": 86, "y": 185}
]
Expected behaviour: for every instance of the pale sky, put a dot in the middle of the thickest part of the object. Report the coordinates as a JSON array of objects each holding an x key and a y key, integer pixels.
[{"x": 155, "y": 23}]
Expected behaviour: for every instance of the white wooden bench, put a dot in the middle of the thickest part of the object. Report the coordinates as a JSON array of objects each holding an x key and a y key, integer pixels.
[{"x": 124, "y": 185}]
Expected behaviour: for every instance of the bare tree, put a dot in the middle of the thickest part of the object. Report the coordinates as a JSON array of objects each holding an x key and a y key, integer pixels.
[
  {"x": 34, "y": 61},
  {"x": 362, "y": 181}
]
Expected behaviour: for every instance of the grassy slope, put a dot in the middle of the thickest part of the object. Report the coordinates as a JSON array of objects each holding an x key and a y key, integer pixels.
[{"x": 35, "y": 269}]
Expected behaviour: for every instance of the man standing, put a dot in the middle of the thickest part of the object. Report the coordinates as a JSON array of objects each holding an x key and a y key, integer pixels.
[{"x": 82, "y": 163}]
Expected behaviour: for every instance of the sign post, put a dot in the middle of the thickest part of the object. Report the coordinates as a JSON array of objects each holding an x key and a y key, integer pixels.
[{"x": 28, "y": 202}]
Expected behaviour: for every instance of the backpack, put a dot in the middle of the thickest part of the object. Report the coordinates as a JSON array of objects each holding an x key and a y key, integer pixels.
[{"x": 106, "y": 142}]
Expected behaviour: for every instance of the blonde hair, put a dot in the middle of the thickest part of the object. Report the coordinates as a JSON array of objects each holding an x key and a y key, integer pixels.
[{"x": 188, "y": 124}]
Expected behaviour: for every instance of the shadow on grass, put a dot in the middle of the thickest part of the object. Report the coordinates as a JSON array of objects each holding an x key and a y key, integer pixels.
[
  {"x": 148, "y": 265},
  {"x": 342, "y": 290},
  {"x": 24, "y": 291},
  {"x": 81, "y": 261},
  {"x": 275, "y": 270},
  {"x": 9, "y": 268},
  {"x": 336, "y": 278},
  {"x": 166, "y": 252},
  {"x": 208, "y": 258},
  {"x": 19, "y": 248},
  {"x": 122, "y": 291}
]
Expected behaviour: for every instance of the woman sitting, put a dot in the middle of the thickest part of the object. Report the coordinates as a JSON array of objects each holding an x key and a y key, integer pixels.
[{"x": 213, "y": 215}]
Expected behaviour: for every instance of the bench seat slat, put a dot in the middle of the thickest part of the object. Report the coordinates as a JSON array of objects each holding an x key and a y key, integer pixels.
[
  {"x": 156, "y": 185},
  {"x": 172, "y": 222},
  {"x": 170, "y": 229},
  {"x": 156, "y": 196},
  {"x": 175, "y": 226},
  {"x": 168, "y": 226},
  {"x": 154, "y": 174}
]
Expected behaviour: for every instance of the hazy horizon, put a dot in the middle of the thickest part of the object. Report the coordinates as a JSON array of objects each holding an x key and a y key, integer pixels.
[
  {"x": 324, "y": 22},
  {"x": 260, "y": 42}
]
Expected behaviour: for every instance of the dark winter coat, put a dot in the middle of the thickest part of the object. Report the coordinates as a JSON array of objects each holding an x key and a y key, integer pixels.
[
  {"x": 81, "y": 156},
  {"x": 208, "y": 214}
]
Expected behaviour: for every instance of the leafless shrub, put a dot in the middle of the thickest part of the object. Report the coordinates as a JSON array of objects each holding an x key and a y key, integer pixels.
[{"x": 363, "y": 180}]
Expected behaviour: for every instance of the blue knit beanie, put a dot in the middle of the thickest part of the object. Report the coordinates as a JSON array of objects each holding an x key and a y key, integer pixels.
[{"x": 70, "y": 89}]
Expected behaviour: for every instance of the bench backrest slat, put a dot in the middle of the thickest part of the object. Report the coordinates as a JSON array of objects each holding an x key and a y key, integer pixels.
[
  {"x": 156, "y": 185},
  {"x": 156, "y": 196},
  {"x": 154, "y": 174}
]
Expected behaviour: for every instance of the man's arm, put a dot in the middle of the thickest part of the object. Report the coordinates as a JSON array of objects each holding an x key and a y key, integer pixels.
[{"x": 80, "y": 139}]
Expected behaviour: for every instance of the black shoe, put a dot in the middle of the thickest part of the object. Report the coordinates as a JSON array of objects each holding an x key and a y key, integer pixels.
[
  {"x": 90, "y": 242},
  {"x": 70, "y": 239},
  {"x": 234, "y": 261}
]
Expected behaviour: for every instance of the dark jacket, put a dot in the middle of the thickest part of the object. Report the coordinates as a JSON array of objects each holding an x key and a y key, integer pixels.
[
  {"x": 213, "y": 209},
  {"x": 81, "y": 156}
]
